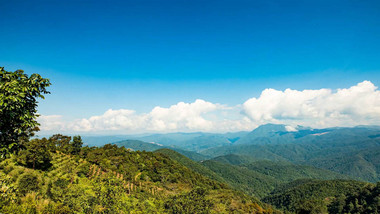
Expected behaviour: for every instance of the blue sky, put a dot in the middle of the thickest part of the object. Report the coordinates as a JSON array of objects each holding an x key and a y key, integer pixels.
[{"x": 137, "y": 55}]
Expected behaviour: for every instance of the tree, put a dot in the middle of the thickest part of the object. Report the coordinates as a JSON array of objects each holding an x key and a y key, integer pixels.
[
  {"x": 61, "y": 142},
  {"x": 36, "y": 155},
  {"x": 18, "y": 108},
  {"x": 76, "y": 145}
]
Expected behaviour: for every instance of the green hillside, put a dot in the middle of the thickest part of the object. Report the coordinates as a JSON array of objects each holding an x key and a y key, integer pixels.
[
  {"x": 113, "y": 179},
  {"x": 235, "y": 159},
  {"x": 349, "y": 151},
  {"x": 366, "y": 200},
  {"x": 138, "y": 145},
  {"x": 363, "y": 165},
  {"x": 243, "y": 179},
  {"x": 286, "y": 172},
  {"x": 259, "y": 178},
  {"x": 193, "y": 141},
  {"x": 256, "y": 178},
  {"x": 195, "y": 166},
  {"x": 312, "y": 196}
]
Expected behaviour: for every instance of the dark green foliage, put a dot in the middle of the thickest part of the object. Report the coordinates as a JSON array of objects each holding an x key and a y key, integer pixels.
[
  {"x": 307, "y": 194},
  {"x": 64, "y": 144},
  {"x": 28, "y": 182},
  {"x": 363, "y": 165},
  {"x": 18, "y": 108},
  {"x": 192, "y": 155},
  {"x": 235, "y": 159},
  {"x": 188, "y": 203},
  {"x": 351, "y": 151},
  {"x": 195, "y": 166},
  {"x": 286, "y": 172},
  {"x": 76, "y": 145},
  {"x": 61, "y": 142},
  {"x": 366, "y": 200},
  {"x": 313, "y": 206},
  {"x": 241, "y": 178},
  {"x": 259, "y": 178},
  {"x": 36, "y": 155}
]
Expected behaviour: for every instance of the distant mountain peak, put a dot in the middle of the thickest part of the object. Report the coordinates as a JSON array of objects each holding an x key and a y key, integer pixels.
[{"x": 270, "y": 127}]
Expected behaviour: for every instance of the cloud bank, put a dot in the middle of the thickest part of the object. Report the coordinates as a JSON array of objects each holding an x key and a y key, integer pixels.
[{"x": 357, "y": 105}]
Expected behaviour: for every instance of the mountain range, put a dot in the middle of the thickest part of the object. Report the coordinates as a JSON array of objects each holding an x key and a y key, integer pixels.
[{"x": 351, "y": 151}]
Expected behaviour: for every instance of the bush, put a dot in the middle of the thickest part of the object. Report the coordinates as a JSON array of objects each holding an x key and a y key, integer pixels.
[
  {"x": 28, "y": 182},
  {"x": 191, "y": 202}
]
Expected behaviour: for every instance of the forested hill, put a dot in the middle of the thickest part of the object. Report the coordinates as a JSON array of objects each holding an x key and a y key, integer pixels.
[
  {"x": 193, "y": 165},
  {"x": 110, "y": 179},
  {"x": 196, "y": 142},
  {"x": 334, "y": 196},
  {"x": 256, "y": 178},
  {"x": 351, "y": 151},
  {"x": 138, "y": 145}
]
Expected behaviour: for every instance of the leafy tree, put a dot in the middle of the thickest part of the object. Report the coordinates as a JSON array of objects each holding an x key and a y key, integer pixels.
[
  {"x": 76, "y": 145},
  {"x": 18, "y": 108},
  {"x": 61, "y": 142},
  {"x": 36, "y": 155}
]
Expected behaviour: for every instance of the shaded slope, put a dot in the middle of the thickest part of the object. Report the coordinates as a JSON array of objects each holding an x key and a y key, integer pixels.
[
  {"x": 350, "y": 151},
  {"x": 195, "y": 166},
  {"x": 243, "y": 179},
  {"x": 259, "y": 178},
  {"x": 311, "y": 194}
]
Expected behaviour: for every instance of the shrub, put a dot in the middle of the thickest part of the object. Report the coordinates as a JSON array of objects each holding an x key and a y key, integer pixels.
[{"x": 28, "y": 182}]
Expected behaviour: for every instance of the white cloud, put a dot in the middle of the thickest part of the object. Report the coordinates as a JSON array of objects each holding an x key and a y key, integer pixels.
[
  {"x": 110, "y": 120},
  {"x": 50, "y": 122},
  {"x": 357, "y": 105},
  {"x": 290, "y": 129},
  {"x": 197, "y": 116},
  {"x": 182, "y": 116}
]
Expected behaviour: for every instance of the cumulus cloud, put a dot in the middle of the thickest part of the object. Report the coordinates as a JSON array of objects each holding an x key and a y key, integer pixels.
[
  {"x": 357, "y": 105},
  {"x": 197, "y": 116},
  {"x": 51, "y": 122},
  {"x": 110, "y": 120}
]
